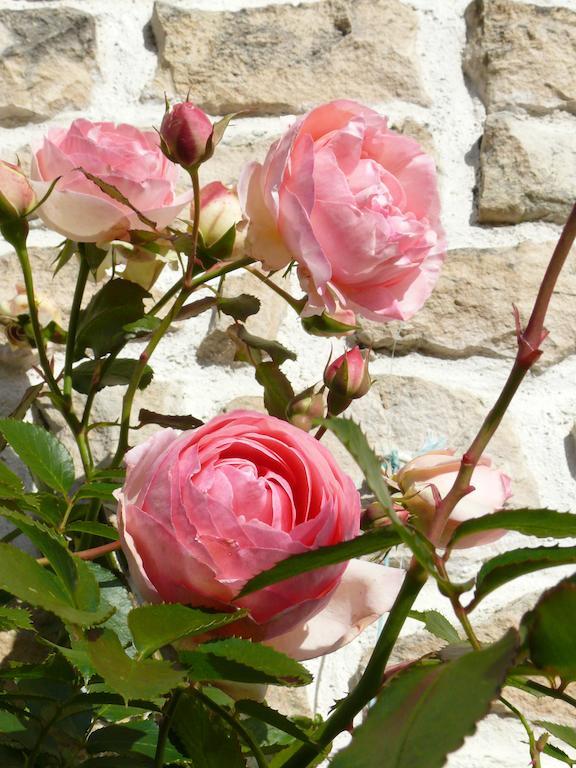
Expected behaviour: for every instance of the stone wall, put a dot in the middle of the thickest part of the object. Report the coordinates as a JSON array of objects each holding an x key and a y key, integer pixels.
[{"x": 488, "y": 88}]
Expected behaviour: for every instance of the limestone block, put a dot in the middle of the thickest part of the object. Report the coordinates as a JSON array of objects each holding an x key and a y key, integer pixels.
[
  {"x": 231, "y": 156},
  {"x": 470, "y": 309},
  {"x": 527, "y": 168},
  {"x": 285, "y": 58},
  {"x": 521, "y": 55},
  {"x": 217, "y": 347},
  {"x": 47, "y": 58}
]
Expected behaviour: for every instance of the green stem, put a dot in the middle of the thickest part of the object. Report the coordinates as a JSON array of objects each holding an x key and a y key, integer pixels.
[
  {"x": 31, "y": 758},
  {"x": 170, "y": 293},
  {"x": 104, "y": 366},
  {"x": 165, "y": 725},
  {"x": 195, "y": 227},
  {"x": 296, "y": 304},
  {"x": 369, "y": 684},
  {"x": 534, "y": 751},
  {"x": 237, "y": 726},
  {"x": 83, "y": 272}
]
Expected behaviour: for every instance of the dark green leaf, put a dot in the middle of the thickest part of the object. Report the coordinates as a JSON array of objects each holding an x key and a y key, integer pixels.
[
  {"x": 93, "y": 255},
  {"x": 195, "y": 308},
  {"x": 140, "y": 737},
  {"x": 518, "y": 562},
  {"x": 20, "y": 575},
  {"x": 437, "y": 624},
  {"x": 425, "y": 713},
  {"x": 268, "y": 715},
  {"x": 154, "y": 626},
  {"x": 143, "y": 327},
  {"x": 114, "y": 592},
  {"x": 164, "y": 420},
  {"x": 66, "y": 252},
  {"x": 220, "y": 250},
  {"x": 43, "y": 454},
  {"x": 373, "y": 541},
  {"x": 550, "y": 631},
  {"x": 204, "y": 736},
  {"x": 243, "y": 661},
  {"x": 129, "y": 760},
  {"x": 96, "y": 529},
  {"x": 97, "y": 490},
  {"x": 565, "y": 733},
  {"x": 274, "y": 349},
  {"x": 131, "y": 679},
  {"x": 14, "y": 618},
  {"x": 545, "y": 523},
  {"x": 239, "y": 307},
  {"x": 49, "y": 508},
  {"x": 352, "y": 437},
  {"x": 278, "y": 391},
  {"x": 324, "y": 325},
  {"x": 101, "y": 325},
  {"x": 28, "y": 398},
  {"x": 11, "y": 486},
  {"x": 117, "y": 374},
  {"x": 558, "y": 754}
]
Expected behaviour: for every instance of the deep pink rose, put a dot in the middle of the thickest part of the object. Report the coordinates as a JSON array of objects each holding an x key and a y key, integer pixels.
[
  {"x": 203, "y": 511},
  {"x": 348, "y": 375},
  {"x": 356, "y": 205},
  {"x": 121, "y": 155},
  {"x": 185, "y": 131},
  {"x": 438, "y": 469}
]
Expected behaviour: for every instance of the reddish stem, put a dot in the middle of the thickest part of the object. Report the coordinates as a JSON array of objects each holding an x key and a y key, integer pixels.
[{"x": 89, "y": 554}]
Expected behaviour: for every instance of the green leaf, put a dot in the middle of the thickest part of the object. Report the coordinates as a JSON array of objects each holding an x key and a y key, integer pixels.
[
  {"x": 324, "y": 325},
  {"x": 425, "y": 713},
  {"x": 220, "y": 250},
  {"x": 278, "y": 353},
  {"x": 14, "y": 618},
  {"x": 271, "y": 716},
  {"x": 114, "y": 592},
  {"x": 101, "y": 325},
  {"x": 354, "y": 440},
  {"x": 18, "y": 413},
  {"x": 131, "y": 679},
  {"x": 66, "y": 252},
  {"x": 545, "y": 523},
  {"x": 366, "y": 544},
  {"x": 142, "y": 327},
  {"x": 20, "y": 575},
  {"x": 518, "y": 562},
  {"x": 558, "y": 754},
  {"x": 195, "y": 308},
  {"x": 95, "y": 529},
  {"x": 115, "y": 194},
  {"x": 278, "y": 391},
  {"x": 204, "y": 736},
  {"x": 243, "y": 661},
  {"x": 11, "y": 487},
  {"x": 117, "y": 374},
  {"x": 563, "y": 732},
  {"x": 97, "y": 490},
  {"x": 437, "y": 624},
  {"x": 239, "y": 307},
  {"x": 154, "y": 626},
  {"x": 43, "y": 454},
  {"x": 550, "y": 631},
  {"x": 140, "y": 737},
  {"x": 164, "y": 420}
]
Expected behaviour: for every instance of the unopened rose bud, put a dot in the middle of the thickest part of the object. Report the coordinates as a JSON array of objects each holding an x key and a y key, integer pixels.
[
  {"x": 184, "y": 134},
  {"x": 305, "y": 408},
  {"x": 429, "y": 477},
  {"x": 16, "y": 195},
  {"x": 347, "y": 378},
  {"x": 219, "y": 211}
]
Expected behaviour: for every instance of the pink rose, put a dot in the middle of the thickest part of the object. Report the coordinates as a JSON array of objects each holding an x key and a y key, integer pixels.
[
  {"x": 185, "y": 131},
  {"x": 348, "y": 375},
  {"x": 356, "y": 205},
  {"x": 203, "y": 511},
  {"x": 438, "y": 469},
  {"x": 120, "y": 155},
  {"x": 16, "y": 195}
]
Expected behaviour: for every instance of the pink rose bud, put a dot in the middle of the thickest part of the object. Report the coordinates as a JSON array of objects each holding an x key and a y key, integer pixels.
[
  {"x": 348, "y": 375},
  {"x": 16, "y": 195},
  {"x": 432, "y": 474},
  {"x": 305, "y": 408},
  {"x": 184, "y": 133},
  {"x": 203, "y": 511},
  {"x": 219, "y": 211}
]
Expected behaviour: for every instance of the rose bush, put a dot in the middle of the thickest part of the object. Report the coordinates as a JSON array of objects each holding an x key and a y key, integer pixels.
[
  {"x": 120, "y": 155},
  {"x": 203, "y": 511},
  {"x": 356, "y": 205},
  {"x": 438, "y": 469}
]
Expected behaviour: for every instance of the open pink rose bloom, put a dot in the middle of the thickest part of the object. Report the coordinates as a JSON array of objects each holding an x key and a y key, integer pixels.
[
  {"x": 203, "y": 511},
  {"x": 121, "y": 155},
  {"x": 355, "y": 205}
]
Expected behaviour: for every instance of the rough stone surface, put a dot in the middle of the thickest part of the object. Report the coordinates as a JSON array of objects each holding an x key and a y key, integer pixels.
[
  {"x": 408, "y": 422},
  {"x": 47, "y": 57},
  {"x": 527, "y": 168},
  {"x": 521, "y": 55},
  {"x": 469, "y": 311},
  {"x": 217, "y": 347},
  {"x": 284, "y": 58},
  {"x": 231, "y": 156}
]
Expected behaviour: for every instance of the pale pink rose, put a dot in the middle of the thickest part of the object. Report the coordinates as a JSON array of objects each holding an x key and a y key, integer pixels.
[
  {"x": 120, "y": 155},
  {"x": 16, "y": 195},
  {"x": 438, "y": 470},
  {"x": 219, "y": 211},
  {"x": 356, "y": 205},
  {"x": 203, "y": 511}
]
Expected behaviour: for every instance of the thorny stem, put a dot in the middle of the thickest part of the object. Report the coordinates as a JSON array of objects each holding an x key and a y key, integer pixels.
[
  {"x": 459, "y": 609},
  {"x": 83, "y": 272},
  {"x": 528, "y": 352},
  {"x": 296, "y": 304},
  {"x": 165, "y": 725}
]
